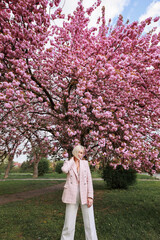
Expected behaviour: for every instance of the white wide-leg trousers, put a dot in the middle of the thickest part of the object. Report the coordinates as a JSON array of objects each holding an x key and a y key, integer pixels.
[{"x": 70, "y": 221}]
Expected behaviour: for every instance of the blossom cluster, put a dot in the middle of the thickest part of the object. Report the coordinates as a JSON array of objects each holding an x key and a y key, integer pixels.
[{"x": 98, "y": 87}]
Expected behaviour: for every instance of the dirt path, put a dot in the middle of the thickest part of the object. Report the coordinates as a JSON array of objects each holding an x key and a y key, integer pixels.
[
  {"x": 29, "y": 194},
  {"x": 4, "y": 199}
]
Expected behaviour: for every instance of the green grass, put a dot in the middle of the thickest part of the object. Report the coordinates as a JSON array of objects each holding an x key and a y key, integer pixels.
[
  {"x": 95, "y": 174},
  {"x": 144, "y": 176},
  {"x": 132, "y": 214},
  {"x": 29, "y": 175},
  {"x": 10, "y": 187},
  {"x": 46, "y": 176},
  {"x": 54, "y": 175}
]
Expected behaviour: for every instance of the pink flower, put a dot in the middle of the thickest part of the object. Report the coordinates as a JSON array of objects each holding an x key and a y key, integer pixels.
[
  {"x": 83, "y": 109},
  {"x": 102, "y": 142},
  {"x": 1, "y": 65},
  {"x": 65, "y": 155},
  {"x": 57, "y": 134},
  {"x": 57, "y": 2},
  {"x": 156, "y": 19},
  {"x": 1, "y": 55},
  {"x": 108, "y": 114},
  {"x": 8, "y": 105}
]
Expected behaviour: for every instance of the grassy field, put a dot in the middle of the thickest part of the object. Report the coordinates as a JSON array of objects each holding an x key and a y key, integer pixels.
[
  {"x": 29, "y": 175},
  {"x": 132, "y": 214},
  {"x": 46, "y": 176},
  {"x": 11, "y": 187},
  {"x": 59, "y": 176}
]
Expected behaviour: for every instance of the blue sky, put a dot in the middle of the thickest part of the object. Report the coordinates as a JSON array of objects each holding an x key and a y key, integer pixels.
[
  {"x": 138, "y": 8},
  {"x": 134, "y": 10}
]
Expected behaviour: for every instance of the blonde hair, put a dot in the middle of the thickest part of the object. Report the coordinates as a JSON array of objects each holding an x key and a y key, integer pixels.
[{"x": 76, "y": 150}]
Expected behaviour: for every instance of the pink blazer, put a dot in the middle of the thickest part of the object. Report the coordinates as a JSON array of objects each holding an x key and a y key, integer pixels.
[{"x": 71, "y": 185}]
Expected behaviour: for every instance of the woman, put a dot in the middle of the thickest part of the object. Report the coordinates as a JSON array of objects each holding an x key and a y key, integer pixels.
[{"x": 78, "y": 189}]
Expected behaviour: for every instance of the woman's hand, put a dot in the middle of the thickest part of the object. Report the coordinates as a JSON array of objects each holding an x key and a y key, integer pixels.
[{"x": 89, "y": 202}]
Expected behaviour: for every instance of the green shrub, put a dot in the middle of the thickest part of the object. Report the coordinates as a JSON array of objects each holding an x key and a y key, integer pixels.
[
  {"x": 26, "y": 166},
  {"x": 3, "y": 167},
  {"x": 43, "y": 166},
  {"x": 118, "y": 178},
  {"x": 15, "y": 170},
  {"x": 58, "y": 166}
]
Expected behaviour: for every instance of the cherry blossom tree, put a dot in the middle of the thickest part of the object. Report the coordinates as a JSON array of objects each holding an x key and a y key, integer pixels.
[
  {"x": 39, "y": 145},
  {"x": 8, "y": 147},
  {"x": 24, "y": 31},
  {"x": 94, "y": 86},
  {"x": 106, "y": 88}
]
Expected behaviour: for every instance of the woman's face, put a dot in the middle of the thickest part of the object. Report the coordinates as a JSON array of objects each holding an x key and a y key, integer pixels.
[{"x": 80, "y": 154}]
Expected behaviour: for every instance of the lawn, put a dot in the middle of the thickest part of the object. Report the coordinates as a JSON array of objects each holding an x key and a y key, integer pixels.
[
  {"x": 132, "y": 214},
  {"x": 10, "y": 187},
  {"x": 95, "y": 174},
  {"x": 46, "y": 176},
  {"x": 29, "y": 175}
]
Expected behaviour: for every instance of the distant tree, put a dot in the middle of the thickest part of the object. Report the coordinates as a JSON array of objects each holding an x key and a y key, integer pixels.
[
  {"x": 43, "y": 166},
  {"x": 27, "y": 166},
  {"x": 58, "y": 166}
]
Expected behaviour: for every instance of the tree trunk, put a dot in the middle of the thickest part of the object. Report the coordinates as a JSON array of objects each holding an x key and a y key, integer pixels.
[
  {"x": 10, "y": 159},
  {"x": 35, "y": 170}
]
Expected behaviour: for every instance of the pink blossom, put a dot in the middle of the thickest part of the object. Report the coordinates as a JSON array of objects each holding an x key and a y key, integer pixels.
[
  {"x": 83, "y": 109},
  {"x": 57, "y": 2},
  {"x": 156, "y": 19},
  {"x": 1, "y": 55},
  {"x": 1, "y": 65},
  {"x": 65, "y": 155},
  {"x": 7, "y": 105},
  {"x": 102, "y": 142},
  {"x": 40, "y": 99},
  {"x": 57, "y": 134},
  {"x": 108, "y": 114},
  {"x": 96, "y": 87}
]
